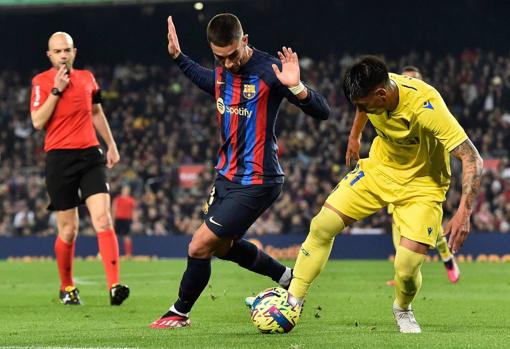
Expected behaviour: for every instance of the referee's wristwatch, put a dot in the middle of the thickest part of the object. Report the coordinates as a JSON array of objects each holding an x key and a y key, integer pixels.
[{"x": 56, "y": 92}]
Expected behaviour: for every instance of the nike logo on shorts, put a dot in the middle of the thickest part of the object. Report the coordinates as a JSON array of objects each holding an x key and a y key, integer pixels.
[
  {"x": 220, "y": 82},
  {"x": 214, "y": 222}
]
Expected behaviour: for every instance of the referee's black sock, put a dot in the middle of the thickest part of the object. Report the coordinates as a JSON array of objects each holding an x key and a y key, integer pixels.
[
  {"x": 249, "y": 256},
  {"x": 193, "y": 282}
]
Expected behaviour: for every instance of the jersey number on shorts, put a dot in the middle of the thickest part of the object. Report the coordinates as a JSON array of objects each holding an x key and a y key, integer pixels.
[
  {"x": 360, "y": 175},
  {"x": 209, "y": 202}
]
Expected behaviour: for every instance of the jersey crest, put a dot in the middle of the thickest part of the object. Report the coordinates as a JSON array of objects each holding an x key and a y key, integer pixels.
[{"x": 249, "y": 91}]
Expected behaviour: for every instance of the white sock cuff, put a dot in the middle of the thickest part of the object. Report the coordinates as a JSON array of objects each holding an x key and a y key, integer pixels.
[
  {"x": 398, "y": 307},
  {"x": 285, "y": 278},
  {"x": 172, "y": 309}
]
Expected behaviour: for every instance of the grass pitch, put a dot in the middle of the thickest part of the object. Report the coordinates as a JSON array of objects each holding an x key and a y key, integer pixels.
[{"x": 348, "y": 307}]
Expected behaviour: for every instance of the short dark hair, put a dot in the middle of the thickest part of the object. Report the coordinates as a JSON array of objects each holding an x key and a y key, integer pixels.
[
  {"x": 411, "y": 68},
  {"x": 363, "y": 76},
  {"x": 223, "y": 29}
]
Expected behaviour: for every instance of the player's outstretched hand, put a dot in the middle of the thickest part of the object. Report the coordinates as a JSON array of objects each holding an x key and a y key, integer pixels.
[
  {"x": 289, "y": 76},
  {"x": 61, "y": 78},
  {"x": 458, "y": 228},
  {"x": 352, "y": 153},
  {"x": 112, "y": 156},
  {"x": 173, "y": 41}
]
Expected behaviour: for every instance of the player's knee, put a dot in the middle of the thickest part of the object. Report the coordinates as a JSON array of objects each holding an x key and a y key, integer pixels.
[
  {"x": 318, "y": 230},
  {"x": 326, "y": 225},
  {"x": 102, "y": 221},
  {"x": 406, "y": 275},
  {"x": 198, "y": 249},
  {"x": 68, "y": 230},
  {"x": 407, "y": 265}
]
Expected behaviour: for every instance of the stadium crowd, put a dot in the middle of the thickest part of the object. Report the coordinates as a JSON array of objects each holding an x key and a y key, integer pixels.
[{"x": 162, "y": 123}]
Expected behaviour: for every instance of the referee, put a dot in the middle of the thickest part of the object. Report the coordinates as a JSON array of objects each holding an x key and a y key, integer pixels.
[{"x": 66, "y": 103}]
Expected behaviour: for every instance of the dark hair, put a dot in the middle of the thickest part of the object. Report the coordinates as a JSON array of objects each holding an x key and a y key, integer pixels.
[
  {"x": 411, "y": 68},
  {"x": 223, "y": 29},
  {"x": 363, "y": 76}
]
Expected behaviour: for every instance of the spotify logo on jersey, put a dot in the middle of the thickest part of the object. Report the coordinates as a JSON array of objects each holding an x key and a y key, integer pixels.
[
  {"x": 239, "y": 111},
  {"x": 220, "y": 105}
]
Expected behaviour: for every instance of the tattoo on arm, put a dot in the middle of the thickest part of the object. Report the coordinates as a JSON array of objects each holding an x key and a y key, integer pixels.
[{"x": 472, "y": 166}]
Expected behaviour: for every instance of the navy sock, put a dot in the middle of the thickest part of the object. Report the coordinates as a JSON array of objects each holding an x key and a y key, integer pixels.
[
  {"x": 449, "y": 263},
  {"x": 193, "y": 282},
  {"x": 249, "y": 256}
]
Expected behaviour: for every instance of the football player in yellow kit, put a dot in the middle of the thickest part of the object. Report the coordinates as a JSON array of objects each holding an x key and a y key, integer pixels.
[
  {"x": 409, "y": 167},
  {"x": 352, "y": 153}
]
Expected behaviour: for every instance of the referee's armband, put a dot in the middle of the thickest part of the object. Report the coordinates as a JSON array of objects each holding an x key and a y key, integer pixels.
[{"x": 97, "y": 98}]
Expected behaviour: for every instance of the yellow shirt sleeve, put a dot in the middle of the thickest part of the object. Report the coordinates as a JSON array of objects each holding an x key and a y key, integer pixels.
[{"x": 434, "y": 117}]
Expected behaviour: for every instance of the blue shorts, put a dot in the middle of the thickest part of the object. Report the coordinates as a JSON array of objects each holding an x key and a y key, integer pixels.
[{"x": 232, "y": 208}]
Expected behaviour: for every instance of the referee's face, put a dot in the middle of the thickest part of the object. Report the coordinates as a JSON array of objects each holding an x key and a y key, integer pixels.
[{"x": 61, "y": 51}]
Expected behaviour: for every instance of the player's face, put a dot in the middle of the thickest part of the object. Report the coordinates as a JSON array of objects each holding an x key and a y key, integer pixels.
[
  {"x": 61, "y": 51},
  {"x": 374, "y": 103},
  {"x": 233, "y": 56}
]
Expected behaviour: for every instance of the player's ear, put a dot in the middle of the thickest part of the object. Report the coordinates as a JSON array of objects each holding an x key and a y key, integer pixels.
[
  {"x": 245, "y": 39},
  {"x": 381, "y": 92}
]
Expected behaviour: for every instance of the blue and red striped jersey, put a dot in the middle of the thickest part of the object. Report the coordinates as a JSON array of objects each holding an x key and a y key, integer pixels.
[{"x": 247, "y": 106}]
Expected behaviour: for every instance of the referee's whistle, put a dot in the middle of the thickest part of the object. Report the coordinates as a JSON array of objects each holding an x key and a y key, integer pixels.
[{"x": 67, "y": 68}]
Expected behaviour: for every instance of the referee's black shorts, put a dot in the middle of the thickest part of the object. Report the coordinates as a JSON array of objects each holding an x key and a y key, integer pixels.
[{"x": 72, "y": 175}]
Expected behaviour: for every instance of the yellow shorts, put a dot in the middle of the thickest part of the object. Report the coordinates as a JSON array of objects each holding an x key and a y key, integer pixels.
[{"x": 417, "y": 210}]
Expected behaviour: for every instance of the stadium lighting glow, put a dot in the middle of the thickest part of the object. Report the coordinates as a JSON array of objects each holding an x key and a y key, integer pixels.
[{"x": 198, "y": 6}]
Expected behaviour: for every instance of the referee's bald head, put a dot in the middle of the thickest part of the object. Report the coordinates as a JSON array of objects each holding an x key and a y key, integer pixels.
[{"x": 60, "y": 36}]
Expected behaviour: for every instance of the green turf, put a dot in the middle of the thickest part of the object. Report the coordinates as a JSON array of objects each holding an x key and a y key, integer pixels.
[{"x": 355, "y": 308}]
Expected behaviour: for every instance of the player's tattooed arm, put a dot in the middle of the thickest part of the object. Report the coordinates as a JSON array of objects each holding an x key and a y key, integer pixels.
[{"x": 472, "y": 165}]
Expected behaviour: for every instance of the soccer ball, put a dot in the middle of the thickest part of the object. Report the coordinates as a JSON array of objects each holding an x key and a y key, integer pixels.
[{"x": 275, "y": 310}]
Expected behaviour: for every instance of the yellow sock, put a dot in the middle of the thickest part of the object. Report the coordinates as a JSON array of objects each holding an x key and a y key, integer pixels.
[
  {"x": 442, "y": 248},
  {"x": 407, "y": 275},
  {"x": 314, "y": 252}
]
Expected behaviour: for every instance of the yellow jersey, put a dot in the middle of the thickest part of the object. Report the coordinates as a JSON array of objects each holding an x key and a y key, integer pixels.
[{"x": 413, "y": 141}]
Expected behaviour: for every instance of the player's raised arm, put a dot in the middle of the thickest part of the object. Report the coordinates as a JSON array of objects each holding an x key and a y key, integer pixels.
[
  {"x": 472, "y": 165},
  {"x": 290, "y": 73},
  {"x": 354, "y": 142},
  {"x": 296, "y": 92},
  {"x": 200, "y": 76},
  {"x": 173, "y": 41}
]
